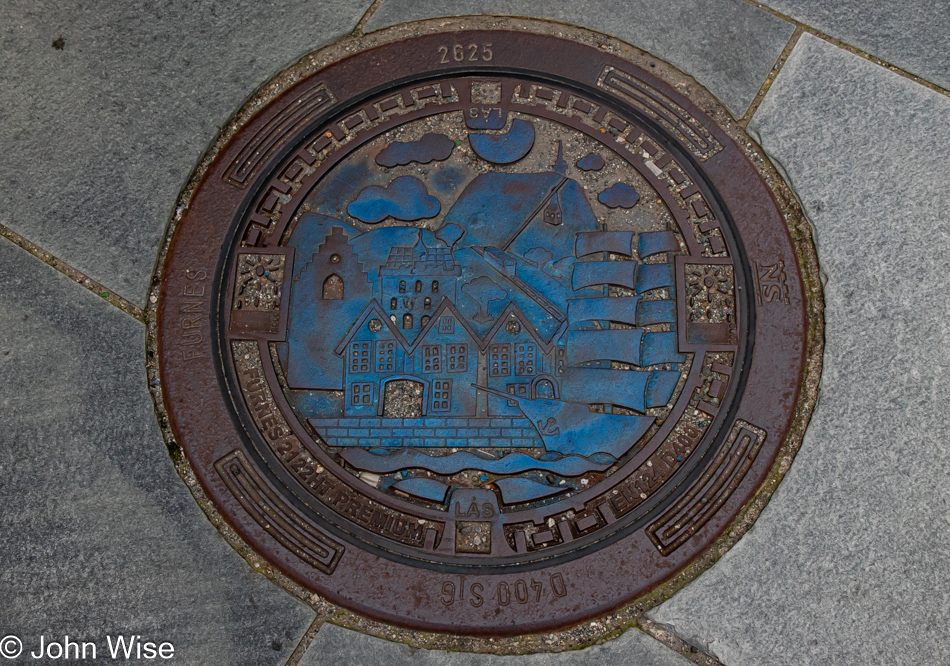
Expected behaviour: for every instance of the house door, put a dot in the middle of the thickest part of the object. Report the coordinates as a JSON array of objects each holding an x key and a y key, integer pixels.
[
  {"x": 544, "y": 386},
  {"x": 403, "y": 399}
]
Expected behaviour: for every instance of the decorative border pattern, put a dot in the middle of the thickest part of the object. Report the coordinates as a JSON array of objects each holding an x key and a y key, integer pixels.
[
  {"x": 288, "y": 527},
  {"x": 711, "y": 491},
  {"x": 298, "y": 113},
  {"x": 662, "y": 109}
]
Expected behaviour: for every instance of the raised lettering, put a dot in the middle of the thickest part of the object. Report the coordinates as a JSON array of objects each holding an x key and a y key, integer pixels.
[
  {"x": 504, "y": 594},
  {"x": 477, "y": 599},
  {"x": 448, "y": 593}
]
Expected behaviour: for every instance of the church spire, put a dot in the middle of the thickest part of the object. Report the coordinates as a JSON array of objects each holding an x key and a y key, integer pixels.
[
  {"x": 419, "y": 249},
  {"x": 560, "y": 166}
]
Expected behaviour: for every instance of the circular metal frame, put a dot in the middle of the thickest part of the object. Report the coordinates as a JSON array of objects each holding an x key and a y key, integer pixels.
[{"x": 620, "y": 543}]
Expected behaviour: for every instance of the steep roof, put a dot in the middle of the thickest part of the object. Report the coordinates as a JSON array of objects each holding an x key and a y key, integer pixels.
[
  {"x": 445, "y": 305},
  {"x": 512, "y": 310},
  {"x": 420, "y": 259},
  {"x": 372, "y": 307},
  {"x": 494, "y": 206}
]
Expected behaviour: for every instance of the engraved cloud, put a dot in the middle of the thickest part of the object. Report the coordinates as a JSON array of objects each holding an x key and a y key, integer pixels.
[
  {"x": 405, "y": 198},
  {"x": 430, "y": 147}
]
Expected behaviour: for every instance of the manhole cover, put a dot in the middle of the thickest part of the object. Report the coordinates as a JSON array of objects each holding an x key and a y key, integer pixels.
[{"x": 486, "y": 332}]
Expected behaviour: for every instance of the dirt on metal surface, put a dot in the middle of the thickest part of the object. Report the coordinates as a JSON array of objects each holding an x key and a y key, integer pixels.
[{"x": 486, "y": 328}]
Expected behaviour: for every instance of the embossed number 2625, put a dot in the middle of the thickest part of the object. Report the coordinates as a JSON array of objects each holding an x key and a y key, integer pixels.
[{"x": 470, "y": 52}]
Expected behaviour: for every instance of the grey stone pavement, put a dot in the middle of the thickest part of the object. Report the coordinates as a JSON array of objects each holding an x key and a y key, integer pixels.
[{"x": 848, "y": 564}]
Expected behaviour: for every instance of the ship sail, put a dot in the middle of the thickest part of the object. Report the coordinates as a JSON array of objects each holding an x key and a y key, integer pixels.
[
  {"x": 604, "y": 345},
  {"x": 590, "y": 273},
  {"x": 642, "y": 277},
  {"x": 633, "y": 389},
  {"x": 653, "y": 276},
  {"x": 620, "y": 308},
  {"x": 656, "y": 312},
  {"x": 616, "y": 242},
  {"x": 660, "y": 348},
  {"x": 621, "y": 242},
  {"x": 625, "y": 345},
  {"x": 605, "y": 386},
  {"x": 655, "y": 242},
  {"x": 661, "y": 387}
]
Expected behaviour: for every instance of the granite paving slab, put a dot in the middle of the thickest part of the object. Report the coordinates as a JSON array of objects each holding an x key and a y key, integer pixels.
[
  {"x": 108, "y": 106},
  {"x": 336, "y": 646},
  {"x": 848, "y": 563},
  {"x": 100, "y": 537},
  {"x": 727, "y": 45},
  {"x": 915, "y": 36}
]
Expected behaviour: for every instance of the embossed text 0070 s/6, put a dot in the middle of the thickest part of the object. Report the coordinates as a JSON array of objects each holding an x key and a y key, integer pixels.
[{"x": 521, "y": 591}]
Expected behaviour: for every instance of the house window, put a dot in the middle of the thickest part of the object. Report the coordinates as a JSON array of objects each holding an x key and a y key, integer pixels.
[
  {"x": 427, "y": 303},
  {"x": 441, "y": 395},
  {"x": 418, "y": 286},
  {"x": 561, "y": 356},
  {"x": 435, "y": 286},
  {"x": 402, "y": 286},
  {"x": 392, "y": 318},
  {"x": 385, "y": 356},
  {"x": 447, "y": 325},
  {"x": 361, "y": 394},
  {"x": 524, "y": 359},
  {"x": 407, "y": 320},
  {"x": 499, "y": 360},
  {"x": 425, "y": 320},
  {"x": 520, "y": 390},
  {"x": 359, "y": 357},
  {"x": 393, "y": 302},
  {"x": 457, "y": 358},
  {"x": 333, "y": 288},
  {"x": 432, "y": 358}
]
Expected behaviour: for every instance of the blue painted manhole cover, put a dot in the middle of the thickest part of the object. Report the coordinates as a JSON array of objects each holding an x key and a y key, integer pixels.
[{"x": 488, "y": 343}]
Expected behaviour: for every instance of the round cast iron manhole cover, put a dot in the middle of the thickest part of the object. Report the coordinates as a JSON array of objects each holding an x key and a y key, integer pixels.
[{"x": 487, "y": 332}]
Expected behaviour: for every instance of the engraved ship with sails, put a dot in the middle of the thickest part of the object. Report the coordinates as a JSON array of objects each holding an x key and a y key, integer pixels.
[{"x": 607, "y": 347}]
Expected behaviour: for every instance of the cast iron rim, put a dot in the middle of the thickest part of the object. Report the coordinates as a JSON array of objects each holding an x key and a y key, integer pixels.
[{"x": 575, "y": 586}]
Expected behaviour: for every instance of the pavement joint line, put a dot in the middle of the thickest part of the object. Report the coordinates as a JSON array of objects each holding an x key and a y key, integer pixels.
[
  {"x": 374, "y": 5},
  {"x": 73, "y": 274},
  {"x": 852, "y": 49},
  {"x": 673, "y": 641},
  {"x": 658, "y": 632},
  {"x": 773, "y": 74},
  {"x": 305, "y": 641}
]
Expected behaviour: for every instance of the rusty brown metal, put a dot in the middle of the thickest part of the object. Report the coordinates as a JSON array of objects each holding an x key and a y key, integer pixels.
[{"x": 510, "y": 549}]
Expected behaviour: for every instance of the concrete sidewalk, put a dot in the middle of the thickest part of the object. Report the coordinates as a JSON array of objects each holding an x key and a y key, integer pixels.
[{"x": 107, "y": 108}]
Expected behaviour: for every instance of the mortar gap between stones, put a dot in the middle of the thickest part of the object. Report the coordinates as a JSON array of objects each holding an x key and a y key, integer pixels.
[
  {"x": 374, "y": 5},
  {"x": 770, "y": 79},
  {"x": 673, "y": 641},
  {"x": 80, "y": 278},
  {"x": 851, "y": 49},
  {"x": 305, "y": 641}
]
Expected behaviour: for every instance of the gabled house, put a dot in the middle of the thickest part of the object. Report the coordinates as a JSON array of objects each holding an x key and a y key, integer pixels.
[
  {"x": 446, "y": 354},
  {"x": 444, "y": 364},
  {"x": 519, "y": 362},
  {"x": 440, "y": 365},
  {"x": 327, "y": 295},
  {"x": 374, "y": 353}
]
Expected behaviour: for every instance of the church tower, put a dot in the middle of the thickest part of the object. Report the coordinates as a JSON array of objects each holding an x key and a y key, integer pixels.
[{"x": 327, "y": 297}]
